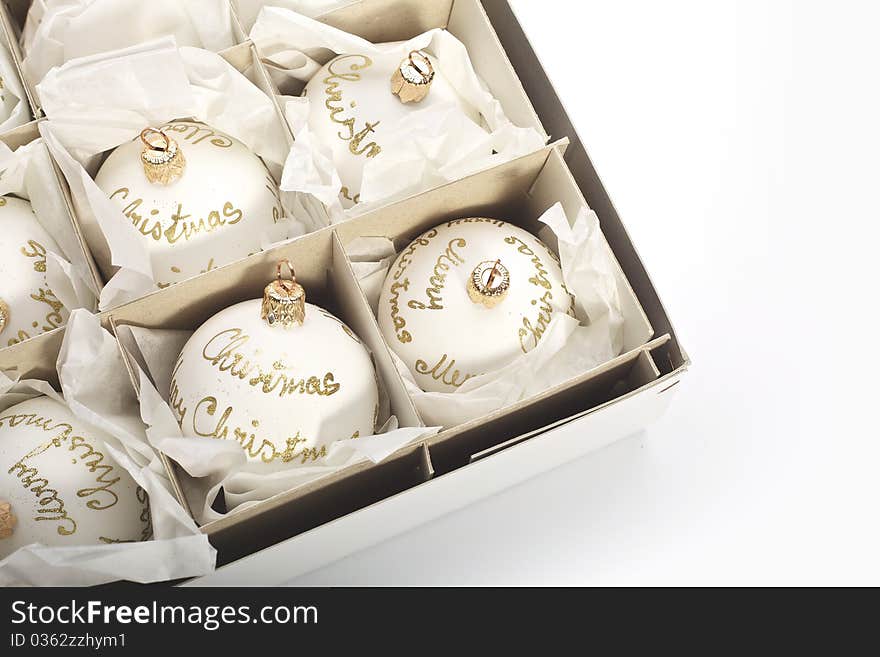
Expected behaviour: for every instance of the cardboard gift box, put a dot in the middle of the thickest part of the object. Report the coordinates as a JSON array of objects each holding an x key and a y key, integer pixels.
[{"x": 303, "y": 529}]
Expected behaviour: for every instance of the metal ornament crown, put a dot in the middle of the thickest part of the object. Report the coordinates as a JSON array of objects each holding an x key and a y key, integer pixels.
[
  {"x": 284, "y": 300},
  {"x": 163, "y": 162}
]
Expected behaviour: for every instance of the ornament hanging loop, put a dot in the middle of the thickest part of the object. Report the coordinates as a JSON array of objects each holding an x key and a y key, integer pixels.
[
  {"x": 284, "y": 300},
  {"x": 146, "y": 133},
  {"x": 288, "y": 283},
  {"x": 412, "y": 80},
  {"x": 163, "y": 162},
  {"x": 492, "y": 274},
  {"x": 420, "y": 61},
  {"x": 7, "y": 520}
]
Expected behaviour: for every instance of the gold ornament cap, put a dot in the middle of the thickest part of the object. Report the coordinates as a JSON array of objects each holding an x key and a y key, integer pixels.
[
  {"x": 412, "y": 80},
  {"x": 489, "y": 283},
  {"x": 162, "y": 158},
  {"x": 7, "y": 520},
  {"x": 4, "y": 315},
  {"x": 284, "y": 300}
]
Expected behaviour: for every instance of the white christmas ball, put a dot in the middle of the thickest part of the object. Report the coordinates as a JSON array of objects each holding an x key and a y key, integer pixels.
[
  {"x": 430, "y": 319},
  {"x": 352, "y": 111},
  {"x": 285, "y": 394},
  {"x": 27, "y": 302},
  {"x": 215, "y": 213},
  {"x": 62, "y": 486}
]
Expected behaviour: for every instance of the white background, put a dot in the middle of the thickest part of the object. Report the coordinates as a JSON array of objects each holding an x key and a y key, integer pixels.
[{"x": 739, "y": 141}]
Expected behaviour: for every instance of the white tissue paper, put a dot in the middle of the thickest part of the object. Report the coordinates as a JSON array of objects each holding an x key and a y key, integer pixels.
[
  {"x": 96, "y": 387},
  {"x": 568, "y": 349},
  {"x": 216, "y": 464},
  {"x": 96, "y": 103},
  {"x": 28, "y": 173},
  {"x": 247, "y": 10},
  {"x": 433, "y": 146},
  {"x": 60, "y": 30},
  {"x": 15, "y": 106}
]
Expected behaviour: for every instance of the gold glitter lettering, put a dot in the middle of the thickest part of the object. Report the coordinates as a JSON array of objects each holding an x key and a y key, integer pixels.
[
  {"x": 399, "y": 322},
  {"x": 34, "y": 249},
  {"x": 52, "y": 506},
  {"x": 263, "y": 449},
  {"x": 335, "y": 103},
  {"x": 223, "y": 352},
  {"x": 183, "y": 226},
  {"x": 196, "y": 133},
  {"x": 437, "y": 282},
  {"x": 447, "y": 375}
]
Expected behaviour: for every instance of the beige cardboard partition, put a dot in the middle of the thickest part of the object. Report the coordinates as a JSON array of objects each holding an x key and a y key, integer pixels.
[
  {"x": 34, "y": 358},
  {"x": 9, "y": 35}
]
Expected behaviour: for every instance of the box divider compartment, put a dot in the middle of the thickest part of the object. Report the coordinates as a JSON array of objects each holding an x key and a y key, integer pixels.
[
  {"x": 243, "y": 58},
  {"x": 519, "y": 194},
  {"x": 463, "y": 18},
  {"x": 642, "y": 372},
  {"x": 325, "y": 272},
  {"x": 188, "y": 304},
  {"x": 469, "y": 442},
  {"x": 135, "y": 363},
  {"x": 556, "y": 185}
]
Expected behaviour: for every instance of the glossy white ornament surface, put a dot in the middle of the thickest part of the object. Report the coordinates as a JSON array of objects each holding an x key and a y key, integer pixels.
[
  {"x": 285, "y": 394},
  {"x": 33, "y": 307},
  {"x": 215, "y": 213},
  {"x": 63, "y": 487},
  {"x": 353, "y": 112},
  {"x": 428, "y": 318}
]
